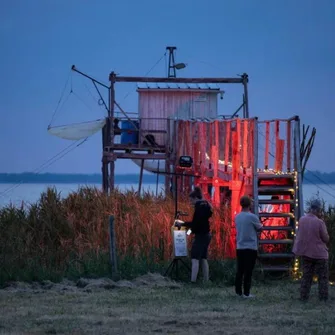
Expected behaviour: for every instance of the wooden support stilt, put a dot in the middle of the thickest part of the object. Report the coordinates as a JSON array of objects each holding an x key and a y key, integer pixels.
[
  {"x": 104, "y": 167},
  {"x": 168, "y": 144},
  {"x": 112, "y": 175},
  {"x": 110, "y": 129},
  {"x": 141, "y": 177}
]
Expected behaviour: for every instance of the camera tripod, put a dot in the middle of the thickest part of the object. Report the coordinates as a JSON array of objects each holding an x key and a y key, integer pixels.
[
  {"x": 174, "y": 265},
  {"x": 186, "y": 163}
]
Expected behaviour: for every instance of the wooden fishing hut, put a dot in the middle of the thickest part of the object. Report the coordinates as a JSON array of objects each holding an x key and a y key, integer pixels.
[{"x": 232, "y": 156}]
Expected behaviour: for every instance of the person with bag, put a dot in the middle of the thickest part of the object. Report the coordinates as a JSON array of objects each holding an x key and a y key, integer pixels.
[{"x": 200, "y": 227}]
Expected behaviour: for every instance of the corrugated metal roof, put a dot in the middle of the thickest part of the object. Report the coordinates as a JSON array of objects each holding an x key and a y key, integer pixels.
[{"x": 175, "y": 86}]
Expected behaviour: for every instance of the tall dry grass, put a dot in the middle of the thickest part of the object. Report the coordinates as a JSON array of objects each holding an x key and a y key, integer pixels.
[
  {"x": 58, "y": 237},
  {"x": 51, "y": 237}
]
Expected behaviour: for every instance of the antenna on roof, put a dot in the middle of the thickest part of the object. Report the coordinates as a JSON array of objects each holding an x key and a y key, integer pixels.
[{"x": 172, "y": 67}]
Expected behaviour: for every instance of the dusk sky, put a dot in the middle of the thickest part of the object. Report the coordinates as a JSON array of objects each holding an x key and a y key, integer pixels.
[{"x": 287, "y": 48}]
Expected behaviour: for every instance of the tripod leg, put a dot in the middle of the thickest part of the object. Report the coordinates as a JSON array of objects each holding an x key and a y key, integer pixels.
[
  {"x": 177, "y": 275},
  {"x": 186, "y": 265},
  {"x": 171, "y": 266}
]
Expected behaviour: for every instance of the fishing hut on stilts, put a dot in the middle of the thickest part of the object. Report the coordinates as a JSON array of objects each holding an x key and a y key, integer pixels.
[{"x": 233, "y": 155}]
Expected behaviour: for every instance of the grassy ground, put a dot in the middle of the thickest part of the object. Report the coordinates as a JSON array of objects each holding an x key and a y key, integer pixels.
[{"x": 153, "y": 304}]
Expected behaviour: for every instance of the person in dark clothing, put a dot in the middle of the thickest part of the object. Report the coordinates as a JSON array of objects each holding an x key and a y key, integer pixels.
[{"x": 201, "y": 229}]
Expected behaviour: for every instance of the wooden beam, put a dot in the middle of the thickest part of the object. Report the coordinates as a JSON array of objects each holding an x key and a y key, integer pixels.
[
  {"x": 109, "y": 156},
  {"x": 176, "y": 80},
  {"x": 134, "y": 147}
]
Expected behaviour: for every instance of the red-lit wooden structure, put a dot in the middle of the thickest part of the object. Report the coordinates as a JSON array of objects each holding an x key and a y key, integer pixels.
[{"x": 248, "y": 157}]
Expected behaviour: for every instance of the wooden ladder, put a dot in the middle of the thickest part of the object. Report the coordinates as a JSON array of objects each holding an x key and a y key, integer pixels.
[{"x": 277, "y": 211}]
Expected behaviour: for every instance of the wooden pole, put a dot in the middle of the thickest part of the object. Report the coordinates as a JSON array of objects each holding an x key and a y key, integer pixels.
[
  {"x": 104, "y": 168},
  {"x": 238, "y": 128},
  {"x": 215, "y": 156},
  {"x": 298, "y": 164},
  {"x": 157, "y": 180},
  {"x": 246, "y": 124},
  {"x": 277, "y": 153},
  {"x": 255, "y": 165},
  {"x": 288, "y": 146},
  {"x": 280, "y": 155},
  {"x": 227, "y": 144},
  {"x": 168, "y": 145},
  {"x": 141, "y": 177},
  {"x": 267, "y": 143},
  {"x": 246, "y": 98},
  {"x": 112, "y": 243},
  {"x": 110, "y": 135}
]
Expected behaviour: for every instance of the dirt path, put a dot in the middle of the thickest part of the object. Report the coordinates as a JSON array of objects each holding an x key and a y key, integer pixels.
[{"x": 152, "y": 304}]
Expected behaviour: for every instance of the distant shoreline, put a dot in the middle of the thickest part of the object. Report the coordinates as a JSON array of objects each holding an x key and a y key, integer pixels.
[
  {"x": 313, "y": 177},
  {"x": 69, "y": 178}
]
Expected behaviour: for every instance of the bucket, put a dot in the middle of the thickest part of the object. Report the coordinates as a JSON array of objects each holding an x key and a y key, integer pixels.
[{"x": 131, "y": 135}]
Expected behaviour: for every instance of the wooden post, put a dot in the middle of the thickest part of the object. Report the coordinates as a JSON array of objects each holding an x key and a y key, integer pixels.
[
  {"x": 188, "y": 151},
  {"x": 141, "y": 178},
  {"x": 245, "y": 144},
  {"x": 288, "y": 146},
  {"x": 215, "y": 156},
  {"x": 157, "y": 179},
  {"x": 176, "y": 130},
  {"x": 267, "y": 143},
  {"x": 255, "y": 165},
  {"x": 202, "y": 147},
  {"x": 195, "y": 148},
  {"x": 298, "y": 165},
  {"x": 246, "y": 98},
  {"x": 112, "y": 244},
  {"x": 110, "y": 135},
  {"x": 104, "y": 168},
  {"x": 280, "y": 155},
  {"x": 227, "y": 144},
  {"x": 168, "y": 145},
  {"x": 238, "y": 144},
  {"x": 277, "y": 153}
]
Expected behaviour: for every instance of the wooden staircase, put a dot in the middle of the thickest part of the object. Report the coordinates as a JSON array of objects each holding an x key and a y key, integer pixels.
[{"x": 277, "y": 210}]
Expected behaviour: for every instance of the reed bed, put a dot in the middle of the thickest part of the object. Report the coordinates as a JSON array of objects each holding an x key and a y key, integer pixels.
[
  {"x": 57, "y": 237},
  {"x": 69, "y": 237}
]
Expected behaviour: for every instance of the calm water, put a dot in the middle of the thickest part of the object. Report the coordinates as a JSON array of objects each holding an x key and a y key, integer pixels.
[{"x": 29, "y": 193}]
